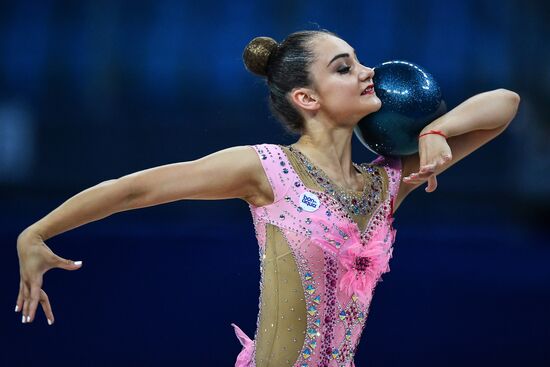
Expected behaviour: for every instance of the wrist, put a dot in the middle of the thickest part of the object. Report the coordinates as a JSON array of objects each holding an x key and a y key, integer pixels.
[
  {"x": 436, "y": 125},
  {"x": 443, "y": 123},
  {"x": 31, "y": 232},
  {"x": 434, "y": 132}
]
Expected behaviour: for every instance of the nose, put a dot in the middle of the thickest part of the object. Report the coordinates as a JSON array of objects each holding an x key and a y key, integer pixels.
[{"x": 366, "y": 73}]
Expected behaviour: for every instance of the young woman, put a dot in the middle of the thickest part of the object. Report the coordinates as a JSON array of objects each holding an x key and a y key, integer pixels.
[{"x": 323, "y": 223}]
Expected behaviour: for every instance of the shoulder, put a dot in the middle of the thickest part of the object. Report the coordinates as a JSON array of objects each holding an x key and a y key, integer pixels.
[
  {"x": 389, "y": 165},
  {"x": 251, "y": 155},
  {"x": 266, "y": 150},
  {"x": 263, "y": 160},
  {"x": 242, "y": 158},
  {"x": 392, "y": 166},
  {"x": 388, "y": 162},
  {"x": 240, "y": 168},
  {"x": 389, "y": 168}
]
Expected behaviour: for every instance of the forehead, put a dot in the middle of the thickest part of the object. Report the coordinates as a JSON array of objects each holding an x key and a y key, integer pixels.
[{"x": 327, "y": 46}]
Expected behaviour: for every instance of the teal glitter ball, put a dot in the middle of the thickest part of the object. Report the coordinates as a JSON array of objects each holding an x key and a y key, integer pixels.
[{"x": 411, "y": 99}]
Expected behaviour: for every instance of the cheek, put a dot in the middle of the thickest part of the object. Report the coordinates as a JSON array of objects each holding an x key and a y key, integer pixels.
[
  {"x": 341, "y": 96},
  {"x": 342, "y": 90},
  {"x": 337, "y": 93}
]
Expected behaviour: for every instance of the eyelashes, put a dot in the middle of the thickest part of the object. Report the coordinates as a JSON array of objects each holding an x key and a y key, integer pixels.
[{"x": 344, "y": 70}]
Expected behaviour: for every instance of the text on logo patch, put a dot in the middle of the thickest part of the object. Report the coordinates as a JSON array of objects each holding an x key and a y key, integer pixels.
[{"x": 309, "y": 201}]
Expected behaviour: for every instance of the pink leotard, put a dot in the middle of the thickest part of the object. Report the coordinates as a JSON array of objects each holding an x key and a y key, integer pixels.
[{"x": 318, "y": 267}]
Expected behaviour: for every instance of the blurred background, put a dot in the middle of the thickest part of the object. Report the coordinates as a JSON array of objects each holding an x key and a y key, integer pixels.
[{"x": 94, "y": 90}]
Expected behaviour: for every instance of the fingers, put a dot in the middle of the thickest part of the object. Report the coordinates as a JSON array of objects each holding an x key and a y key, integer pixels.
[
  {"x": 432, "y": 184},
  {"x": 28, "y": 295},
  {"x": 30, "y": 286},
  {"x": 45, "y": 302},
  {"x": 30, "y": 304},
  {"x": 428, "y": 167},
  {"x": 426, "y": 171},
  {"x": 33, "y": 302},
  {"x": 419, "y": 177},
  {"x": 26, "y": 304},
  {"x": 19, "y": 302},
  {"x": 67, "y": 264}
]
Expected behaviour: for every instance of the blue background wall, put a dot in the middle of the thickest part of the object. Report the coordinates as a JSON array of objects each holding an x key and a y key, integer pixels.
[{"x": 94, "y": 90}]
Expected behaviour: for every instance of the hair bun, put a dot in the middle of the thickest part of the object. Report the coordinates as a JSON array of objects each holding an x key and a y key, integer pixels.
[{"x": 256, "y": 54}]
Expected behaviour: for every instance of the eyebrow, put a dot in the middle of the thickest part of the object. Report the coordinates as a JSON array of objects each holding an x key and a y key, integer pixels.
[{"x": 339, "y": 56}]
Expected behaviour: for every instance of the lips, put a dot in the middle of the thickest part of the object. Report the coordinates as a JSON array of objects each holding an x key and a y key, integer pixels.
[{"x": 368, "y": 90}]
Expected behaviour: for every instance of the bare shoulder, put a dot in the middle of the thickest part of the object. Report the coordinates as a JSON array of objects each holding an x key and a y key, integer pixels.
[
  {"x": 260, "y": 192},
  {"x": 397, "y": 161}
]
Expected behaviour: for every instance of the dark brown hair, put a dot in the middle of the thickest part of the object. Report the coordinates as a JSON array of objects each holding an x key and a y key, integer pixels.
[{"x": 285, "y": 66}]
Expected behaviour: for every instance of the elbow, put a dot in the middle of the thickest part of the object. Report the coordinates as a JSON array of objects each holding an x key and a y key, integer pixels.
[
  {"x": 511, "y": 96},
  {"x": 510, "y": 104}
]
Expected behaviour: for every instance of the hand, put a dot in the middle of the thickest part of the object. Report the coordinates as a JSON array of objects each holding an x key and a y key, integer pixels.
[
  {"x": 434, "y": 152},
  {"x": 35, "y": 259}
]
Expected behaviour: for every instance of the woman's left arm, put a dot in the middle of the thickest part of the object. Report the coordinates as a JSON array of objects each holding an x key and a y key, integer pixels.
[{"x": 468, "y": 126}]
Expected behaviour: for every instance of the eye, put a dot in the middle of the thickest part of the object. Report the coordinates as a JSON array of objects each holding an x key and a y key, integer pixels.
[{"x": 344, "y": 70}]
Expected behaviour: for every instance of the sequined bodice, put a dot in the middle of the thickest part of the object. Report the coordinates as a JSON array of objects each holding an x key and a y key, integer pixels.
[
  {"x": 355, "y": 202},
  {"x": 320, "y": 260}
]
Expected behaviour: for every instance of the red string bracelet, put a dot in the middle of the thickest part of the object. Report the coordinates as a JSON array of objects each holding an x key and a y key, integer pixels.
[{"x": 438, "y": 132}]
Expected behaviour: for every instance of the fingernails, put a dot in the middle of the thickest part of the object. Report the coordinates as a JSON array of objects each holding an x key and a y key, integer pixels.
[
  {"x": 23, "y": 319},
  {"x": 28, "y": 318},
  {"x": 49, "y": 322},
  {"x": 16, "y": 308},
  {"x": 78, "y": 262}
]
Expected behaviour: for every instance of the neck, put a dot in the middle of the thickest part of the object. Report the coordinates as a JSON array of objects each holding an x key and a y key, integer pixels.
[{"x": 329, "y": 149}]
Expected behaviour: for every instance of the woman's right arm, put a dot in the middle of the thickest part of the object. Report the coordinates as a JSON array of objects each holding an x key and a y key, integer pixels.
[
  {"x": 234, "y": 172},
  {"x": 230, "y": 173}
]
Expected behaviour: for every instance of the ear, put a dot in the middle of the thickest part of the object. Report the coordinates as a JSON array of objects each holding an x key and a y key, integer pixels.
[{"x": 305, "y": 98}]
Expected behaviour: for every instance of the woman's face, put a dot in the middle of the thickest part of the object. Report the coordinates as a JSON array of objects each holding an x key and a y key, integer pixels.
[{"x": 340, "y": 81}]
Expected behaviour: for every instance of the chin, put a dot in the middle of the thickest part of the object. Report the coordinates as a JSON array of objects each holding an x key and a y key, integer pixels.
[{"x": 374, "y": 106}]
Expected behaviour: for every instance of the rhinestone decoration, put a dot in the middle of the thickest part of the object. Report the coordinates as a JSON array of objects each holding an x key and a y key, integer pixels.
[
  {"x": 361, "y": 263},
  {"x": 333, "y": 321},
  {"x": 356, "y": 203}
]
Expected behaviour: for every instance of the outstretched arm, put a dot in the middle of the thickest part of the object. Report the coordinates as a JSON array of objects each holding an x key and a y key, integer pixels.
[
  {"x": 469, "y": 126},
  {"x": 230, "y": 173}
]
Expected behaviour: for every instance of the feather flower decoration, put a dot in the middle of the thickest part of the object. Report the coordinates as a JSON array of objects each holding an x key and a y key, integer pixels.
[{"x": 363, "y": 262}]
